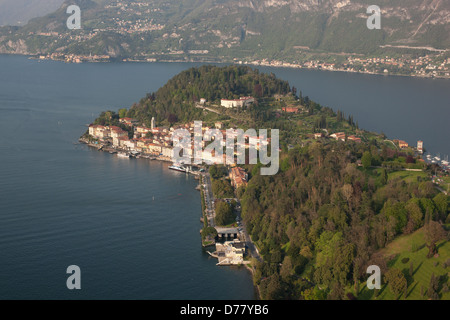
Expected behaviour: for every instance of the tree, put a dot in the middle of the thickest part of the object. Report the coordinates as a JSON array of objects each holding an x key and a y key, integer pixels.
[
  {"x": 434, "y": 233},
  {"x": 433, "y": 288},
  {"x": 224, "y": 214},
  {"x": 441, "y": 202},
  {"x": 172, "y": 118},
  {"x": 294, "y": 91},
  {"x": 314, "y": 294},
  {"x": 366, "y": 159},
  {"x": 123, "y": 113},
  {"x": 396, "y": 281},
  {"x": 258, "y": 91},
  {"x": 384, "y": 176},
  {"x": 415, "y": 215},
  {"x": 286, "y": 270},
  {"x": 209, "y": 231},
  {"x": 271, "y": 289},
  {"x": 337, "y": 292},
  {"x": 218, "y": 171}
]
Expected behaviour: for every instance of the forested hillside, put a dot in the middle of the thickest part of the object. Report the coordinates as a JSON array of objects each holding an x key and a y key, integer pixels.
[
  {"x": 320, "y": 222},
  {"x": 180, "y": 95},
  {"x": 228, "y": 29}
]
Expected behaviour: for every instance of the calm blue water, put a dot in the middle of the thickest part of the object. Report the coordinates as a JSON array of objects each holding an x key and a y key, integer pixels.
[{"x": 64, "y": 204}]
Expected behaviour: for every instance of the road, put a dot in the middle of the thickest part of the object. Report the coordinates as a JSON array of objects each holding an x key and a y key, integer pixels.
[
  {"x": 209, "y": 199},
  {"x": 210, "y": 211},
  {"x": 251, "y": 246}
]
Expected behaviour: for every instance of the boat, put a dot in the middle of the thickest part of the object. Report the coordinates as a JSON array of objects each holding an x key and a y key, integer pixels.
[
  {"x": 123, "y": 155},
  {"x": 177, "y": 168}
]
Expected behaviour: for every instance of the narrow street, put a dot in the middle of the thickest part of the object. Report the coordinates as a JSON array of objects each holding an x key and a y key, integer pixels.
[
  {"x": 210, "y": 212},
  {"x": 209, "y": 199}
]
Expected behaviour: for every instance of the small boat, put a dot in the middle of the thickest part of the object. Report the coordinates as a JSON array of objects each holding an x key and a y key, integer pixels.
[
  {"x": 123, "y": 155},
  {"x": 177, "y": 168}
]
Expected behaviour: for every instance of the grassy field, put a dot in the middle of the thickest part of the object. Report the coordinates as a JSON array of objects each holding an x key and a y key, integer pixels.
[
  {"x": 423, "y": 267},
  {"x": 407, "y": 176}
]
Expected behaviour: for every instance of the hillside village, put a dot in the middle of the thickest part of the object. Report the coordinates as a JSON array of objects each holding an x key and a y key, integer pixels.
[{"x": 137, "y": 139}]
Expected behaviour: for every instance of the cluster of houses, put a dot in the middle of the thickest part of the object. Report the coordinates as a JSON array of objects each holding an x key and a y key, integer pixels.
[
  {"x": 158, "y": 141},
  {"x": 152, "y": 141},
  {"x": 238, "y": 177},
  {"x": 339, "y": 136}
]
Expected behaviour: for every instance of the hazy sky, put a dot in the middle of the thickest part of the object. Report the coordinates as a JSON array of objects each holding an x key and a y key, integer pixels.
[{"x": 18, "y": 12}]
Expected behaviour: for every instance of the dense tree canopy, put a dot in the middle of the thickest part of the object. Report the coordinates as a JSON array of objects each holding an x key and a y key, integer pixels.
[
  {"x": 179, "y": 95},
  {"x": 328, "y": 217}
]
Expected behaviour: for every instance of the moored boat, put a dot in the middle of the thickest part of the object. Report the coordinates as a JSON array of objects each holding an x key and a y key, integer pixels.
[{"x": 177, "y": 168}]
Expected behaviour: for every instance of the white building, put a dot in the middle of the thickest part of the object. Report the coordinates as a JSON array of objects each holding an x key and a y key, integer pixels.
[
  {"x": 167, "y": 152},
  {"x": 420, "y": 146},
  {"x": 237, "y": 103}
]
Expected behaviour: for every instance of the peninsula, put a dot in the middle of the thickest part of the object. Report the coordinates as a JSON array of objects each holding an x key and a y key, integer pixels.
[{"x": 343, "y": 199}]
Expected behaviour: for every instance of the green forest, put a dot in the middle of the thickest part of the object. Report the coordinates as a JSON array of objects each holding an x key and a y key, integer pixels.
[
  {"x": 175, "y": 101},
  {"x": 321, "y": 222}
]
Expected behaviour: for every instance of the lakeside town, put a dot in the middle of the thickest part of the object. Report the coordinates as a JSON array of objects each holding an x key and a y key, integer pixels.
[
  {"x": 427, "y": 66},
  {"x": 136, "y": 140}
]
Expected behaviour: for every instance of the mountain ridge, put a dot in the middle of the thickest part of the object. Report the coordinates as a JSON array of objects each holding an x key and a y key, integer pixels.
[{"x": 234, "y": 29}]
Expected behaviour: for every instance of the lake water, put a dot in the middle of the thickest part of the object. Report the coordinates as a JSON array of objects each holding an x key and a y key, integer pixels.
[{"x": 132, "y": 226}]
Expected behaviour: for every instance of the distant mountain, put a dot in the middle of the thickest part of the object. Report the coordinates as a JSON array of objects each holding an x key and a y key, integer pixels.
[
  {"x": 19, "y": 12},
  {"x": 234, "y": 29}
]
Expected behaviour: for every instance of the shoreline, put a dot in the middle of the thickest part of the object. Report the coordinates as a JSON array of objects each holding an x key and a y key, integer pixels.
[
  {"x": 108, "y": 150},
  {"x": 228, "y": 62}
]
